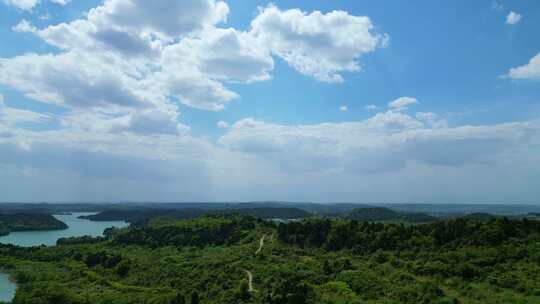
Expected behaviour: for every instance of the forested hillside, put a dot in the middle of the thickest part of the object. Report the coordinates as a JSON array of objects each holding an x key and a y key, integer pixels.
[
  {"x": 29, "y": 222},
  {"x": 141, "y": 215},
  {"x": 381, "y": 214},
  {"x": 239, "y": 259}
]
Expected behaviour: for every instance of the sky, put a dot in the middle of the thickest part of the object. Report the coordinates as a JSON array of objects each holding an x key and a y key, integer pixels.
[{"x": 321, "y": 101}]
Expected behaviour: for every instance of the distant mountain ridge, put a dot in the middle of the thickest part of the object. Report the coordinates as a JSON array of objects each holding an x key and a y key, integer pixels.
[
  {"x": 136, "y": 215},
  {"x": 442, "y": 210},
  {"x": 379, "y": 214}
]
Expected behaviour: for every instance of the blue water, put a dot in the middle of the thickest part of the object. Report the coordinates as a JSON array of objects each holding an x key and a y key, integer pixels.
[
  {"x": 77, "y": 227},
  {"x": 7, "y": 288}
]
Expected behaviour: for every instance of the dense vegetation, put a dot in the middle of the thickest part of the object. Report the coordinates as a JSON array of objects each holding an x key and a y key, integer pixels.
[
  {"x": 206, "y": 260},
  {"x": 138, "y": 215},
  {"x": 29, "y": 222},
  {"x": 142, "y": 215},
  {"x": 381, "y": 214}
]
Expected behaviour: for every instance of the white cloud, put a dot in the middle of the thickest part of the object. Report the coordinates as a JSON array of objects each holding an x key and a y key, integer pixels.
[
  {"x": 61, "y": 2},
  {"x": 142, "y": 56},
  {"x": 74, "y": 80},
  {"x": 513, "y": 18},
  {"x": 355, "y": 160},
  {"x": 113, "y": 156},
  {"x": 402, "y": 103},
  {"x": 391, "y": 121},
  {"x": 120, "y": 71},
  {"x": 127, "y": 54},
  {"x": 529, "y": 71},
  {"x": 165, "y": 18},
  {"x": 150, "y": 122},
  {"x": 29, "y": 4},
  {"x": 386, "y": 142},
  {"x": 343, "y": 108},
  {"x": 221, "y": 54},
  {"x": 431, "y": 119},
  {"x": 12, "y": 116},
  {"x": 45, "y": 16},
  {"x": 426, "y": 116},
  {"x": 318, "y": 45},
  {"x": 371, "y": 107},
  {"x": 222, "y": 124},
  {"x": 24, "y": 26},
  {"x": 22, "y": 4}
]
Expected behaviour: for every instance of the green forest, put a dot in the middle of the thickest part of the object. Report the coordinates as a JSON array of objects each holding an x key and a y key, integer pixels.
[
  {"x": 29, "y": 222},
  {"x": 242, "y": 259}
]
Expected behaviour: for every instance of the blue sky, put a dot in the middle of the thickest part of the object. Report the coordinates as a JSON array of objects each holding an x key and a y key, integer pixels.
[{"x": 284, "y": 129}]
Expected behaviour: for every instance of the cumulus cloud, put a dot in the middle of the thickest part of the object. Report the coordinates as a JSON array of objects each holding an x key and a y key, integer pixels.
[
  {"x": 142, "y": 58},
  {"x": 194, "y": 69},
  {"x": 384, "y": 143},
  {"x": 222, "y": 124},
  {"x": 72, "y": 79},
  {"x": 402, "y": 103},
  {"x": 529, "y": 71},
  {"x": 134, "y": 48},
  {"x": 513, "y": 18},
  {"x": 22, "y": 4},
  {"x": 318, "y": 45},
  {"x": 165, "y": 18},
  {"x": 121, "y": 72},
  {"x": 123, "y": 57},
  {"x": 256, "y": 159},
  {"x": 227, "y": 54},
  {"x": 149, "y": 122},
  {"x": 24, "y": 27},
  {"x": 392, "y": 121},
  {"x": 431, "y": 119},
  {"x": 29, "y": 4},
  {"x": 343, "y": 108}
]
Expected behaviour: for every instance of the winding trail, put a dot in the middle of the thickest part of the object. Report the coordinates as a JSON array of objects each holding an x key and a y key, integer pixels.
[
  {"x": 250, "y": 281},
  {"x": 261, "y": 244},
  {"x": 248, "y": 273}
]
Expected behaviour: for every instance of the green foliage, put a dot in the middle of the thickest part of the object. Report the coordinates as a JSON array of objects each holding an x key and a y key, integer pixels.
[
  {"x": 203, "y": 261},
  {"x": 29, "y": 222},
  {"x": 206, "y": 231},
  {"x": 141, "y": 216},
  {"x": 369, "y": 237},
  {"x": 4, "y": 230},
  {"x": 381, "y": 214}
]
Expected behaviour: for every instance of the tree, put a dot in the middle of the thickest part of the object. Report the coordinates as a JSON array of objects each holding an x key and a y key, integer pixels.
[
  {"x": 179, "y": 299},
  {"x": 327, "y": 268},
  {"x": 244, "y": 291},
  {"x": 195, "y": 298}
]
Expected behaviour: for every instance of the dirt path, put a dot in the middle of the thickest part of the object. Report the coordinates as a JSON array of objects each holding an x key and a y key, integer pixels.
[
  {"x": 261, "y": 244},
  {"x": 250, "y": 281},
  {"x": 248, "y": 273}
]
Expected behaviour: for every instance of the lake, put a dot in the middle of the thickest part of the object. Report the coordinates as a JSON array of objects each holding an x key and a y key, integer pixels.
[
  {"x": 77, "y": 227},
  {"x": 7, "y": 288}
]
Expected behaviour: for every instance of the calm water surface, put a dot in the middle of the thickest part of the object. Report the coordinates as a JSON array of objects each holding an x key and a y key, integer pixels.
[
  {"x": 77, "y": 227},
  {"x": 7, "y": 288}
]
